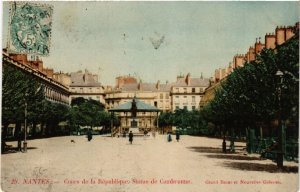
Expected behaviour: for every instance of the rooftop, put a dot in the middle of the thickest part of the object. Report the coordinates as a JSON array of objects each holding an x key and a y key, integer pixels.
[{"x": 84, "y": 79}]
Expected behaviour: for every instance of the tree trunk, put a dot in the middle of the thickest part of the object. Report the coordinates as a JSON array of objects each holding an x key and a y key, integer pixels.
[
  {"x": 4, "y": 131},
  {"x": 42, "y": 133},
  {"x": 34, "y": 129},
  {"x": 48, "y": 129},
  {"x": 17, "y": 129},
  {"x": 224, "y": 139}
]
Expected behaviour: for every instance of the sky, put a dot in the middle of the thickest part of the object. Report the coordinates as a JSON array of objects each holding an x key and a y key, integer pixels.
[{"x": 115, "y": 38}]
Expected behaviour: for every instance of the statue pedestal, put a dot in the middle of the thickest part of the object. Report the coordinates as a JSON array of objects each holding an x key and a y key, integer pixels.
[{"x": 133, "y": 126}]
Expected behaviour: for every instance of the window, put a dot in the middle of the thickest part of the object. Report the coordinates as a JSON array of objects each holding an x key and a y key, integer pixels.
[
  {"x": 193, "y": 90},
  {"x": 185, "y": 107},
  {"x": 167, "y": 95},
  {"x": 177, "y": 107},
  {"x": 193, "y": 99},
  {"x": 177, "y": 90},
  {"x": 161, "y": 96},
  {"x": 184, "y": 96},
  {"x": 184, "y": 90},
  {"x": 177, "y": 96},
  {"x": 155, "y": 103},
  {"x": 193, "y": 107}
]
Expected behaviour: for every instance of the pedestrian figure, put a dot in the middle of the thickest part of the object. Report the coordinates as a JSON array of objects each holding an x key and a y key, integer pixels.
[
  {"x": 177, "y": 136},
  {"x": 89, "y": 135},
  {"x": 130, "y": 137},
  {"x": 169, "y": 137},
  {"x": 145, "y": 134},
  {"x": 153, "y": 134},
  {"x": 19, "y": 140}
]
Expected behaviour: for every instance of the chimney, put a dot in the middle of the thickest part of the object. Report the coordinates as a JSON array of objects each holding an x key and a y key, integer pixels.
[
  {"x": 49, "y": 73},
  {"x": 180, "y": 77},
  {"x": 140, "y": 87},
  {"x": 280, "y": 35},
  {"x": 258, "y": 47},
  {"x": 188, "y": 79},
  {"x": 95, "y": 77},
  {"x": 289, "y": 33},
  {"x": 158, "y": 85},
  {"x": 270, "y": 40},
  {"x": 119, "y": 82}
]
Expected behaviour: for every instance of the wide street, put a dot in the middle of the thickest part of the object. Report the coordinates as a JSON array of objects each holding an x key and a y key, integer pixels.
[{"x": 113, "y": 165}]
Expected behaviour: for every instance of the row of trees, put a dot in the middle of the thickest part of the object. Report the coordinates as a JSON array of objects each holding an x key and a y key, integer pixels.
[
  {"x": 89, "y": 112},
  {"x": 191, "y": 122},
  {"x": 249, "y": 97},
  {"x": 252, "y": 95},
  {"x": 22, "y": 92}
]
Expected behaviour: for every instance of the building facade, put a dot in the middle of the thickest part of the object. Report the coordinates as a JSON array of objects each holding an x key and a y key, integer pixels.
[
  {"x": 86, "y": 85},
  {"x": 187, "y": 92},
  {"x": 281, "y": 35},
  {"x": 154, "y": 94},
  {"x": 54, "y": 90}
]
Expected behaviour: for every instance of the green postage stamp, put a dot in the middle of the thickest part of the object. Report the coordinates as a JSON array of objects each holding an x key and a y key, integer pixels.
[{"x": 30, "y": 28}]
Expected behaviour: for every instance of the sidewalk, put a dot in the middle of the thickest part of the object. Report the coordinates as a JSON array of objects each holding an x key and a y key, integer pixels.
[{"x": 112, "y": 164}]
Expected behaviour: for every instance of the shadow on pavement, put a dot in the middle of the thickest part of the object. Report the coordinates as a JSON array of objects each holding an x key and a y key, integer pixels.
[
  {"x": 206, "y": 149},
  {"x": 271, "y": 168},
  {"x": 104, "y": 135},
  {"x": 233, "y": 157},
  {"x": 240, "y": 146},
  {"x": 15, "y": 150},
  {"x": 132, "y": 144}
]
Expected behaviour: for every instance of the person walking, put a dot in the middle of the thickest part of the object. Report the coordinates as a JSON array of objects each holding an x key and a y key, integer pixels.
[
  {"x": 153, "y": 134},
  {"x": 89, "y": 135},
  {"x": 145, "y": 134},
  {"x": 177, "y": 136},
  {"x": 130, "y": 137},
  {"x": 169, "y": 137},
  {"x": 20, "y": 135}
]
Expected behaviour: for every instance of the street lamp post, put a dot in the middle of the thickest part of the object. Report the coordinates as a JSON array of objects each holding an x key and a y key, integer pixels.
[
  {"x": 111, "y": 124},
  {"x": 279, "y": 76},
  {"x": 25, "y": 127}
]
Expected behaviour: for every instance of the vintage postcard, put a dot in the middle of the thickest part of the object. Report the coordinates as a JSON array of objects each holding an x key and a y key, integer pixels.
[{"x": 150, "y": 96}]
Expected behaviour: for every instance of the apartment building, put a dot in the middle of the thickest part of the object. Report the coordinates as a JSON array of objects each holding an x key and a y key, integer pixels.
[{"x": 187, "y": 92}]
